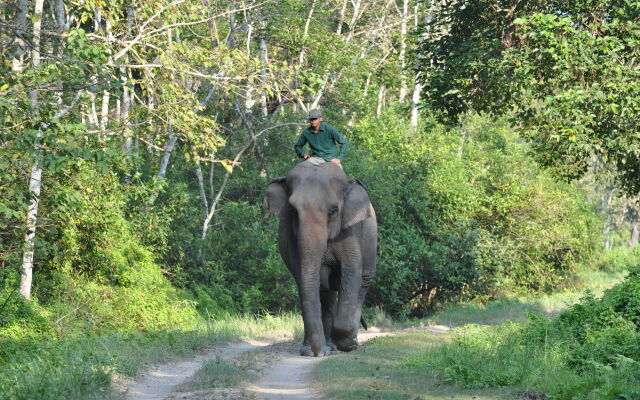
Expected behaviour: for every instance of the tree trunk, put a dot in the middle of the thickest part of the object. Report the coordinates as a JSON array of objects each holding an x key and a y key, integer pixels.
[
  {"x": 168, "y": 149},
  {"x": 606, "y": 208},
  {"x": 417, "y": 88},
  {"x": 463, "y": 139},
  {"x": 264, "y": 59},
  {"x": 633, "y": 214},
  {"x": 104, "y": 112},
  {"x": 415, "y": 100},
  {"x": 343, "y": 11},
  {"x": 403, "y": 50},
  {"x": 354, "y": 19},
  {"x": 20, "y": 49},
  {"x": 203, "y": 194},
  {"x": 230, "y": 41},
  {"x": 164, "y": 163},
  {"x": 61, "y": 17},
  {"x": 213, "y": 29},
  {"x": 35, "y": 178},
  {"x": 249, "y": 102},
  {"x": 380, "y": 100},
  {"x": 305, "y": 33},
  {"x": 292, "y": 86}
]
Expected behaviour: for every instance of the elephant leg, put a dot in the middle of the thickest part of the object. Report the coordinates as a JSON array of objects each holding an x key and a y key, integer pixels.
[
  {"x": 368, "y": 247},
  {"x": 347, "y": 319},
  {"x": 329, "y": 301}
]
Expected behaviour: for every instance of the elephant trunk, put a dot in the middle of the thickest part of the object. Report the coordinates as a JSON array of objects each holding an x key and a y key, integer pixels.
[{"x": 312, "y": 243}]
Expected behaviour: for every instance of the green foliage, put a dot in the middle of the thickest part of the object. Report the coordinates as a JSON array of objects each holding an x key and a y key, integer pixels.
[
  {"x": 590, "y": 351},
  {"x": 464, "y": 213},
  {"x": 567, "y": 72},
  {"x": 619, "y": 259},
  {"x": 82, "y": 367}
]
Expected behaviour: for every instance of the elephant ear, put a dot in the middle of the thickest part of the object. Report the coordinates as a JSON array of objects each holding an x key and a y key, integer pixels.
[
  {"x": 276, "y": 196},
  {"x": 357, "y": 206}
]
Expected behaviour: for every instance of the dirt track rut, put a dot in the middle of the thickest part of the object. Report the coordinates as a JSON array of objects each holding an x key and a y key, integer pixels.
[{"x": 286, "y": 377}]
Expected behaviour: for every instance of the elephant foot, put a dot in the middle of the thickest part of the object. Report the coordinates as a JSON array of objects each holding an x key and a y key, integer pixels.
[
  {"x": 306, "y": 351},
  {"x": 332, "y": 347},
  {"x": 347, "y": 344}
]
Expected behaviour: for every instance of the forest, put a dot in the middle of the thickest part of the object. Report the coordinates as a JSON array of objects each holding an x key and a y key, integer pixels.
[{"x": 498, "y": 140}]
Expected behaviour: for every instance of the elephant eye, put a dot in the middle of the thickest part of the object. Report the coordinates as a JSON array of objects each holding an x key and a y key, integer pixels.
[{"x": 333, "y": 211}]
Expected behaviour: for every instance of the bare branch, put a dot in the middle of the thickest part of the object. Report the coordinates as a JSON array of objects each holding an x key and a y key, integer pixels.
[{"x": 234, "y": 163}]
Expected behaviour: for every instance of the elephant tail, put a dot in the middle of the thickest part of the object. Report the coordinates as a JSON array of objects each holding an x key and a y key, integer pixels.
[{"x": 364, "y": 323}]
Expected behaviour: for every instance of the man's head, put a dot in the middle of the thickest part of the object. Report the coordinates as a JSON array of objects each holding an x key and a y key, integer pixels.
[{"x": 315, "y": 117}]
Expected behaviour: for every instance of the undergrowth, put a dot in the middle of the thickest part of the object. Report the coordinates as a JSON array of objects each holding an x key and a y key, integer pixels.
[
  {"x": 590, "y": 351},
  {"x": 82, "y": 367}
]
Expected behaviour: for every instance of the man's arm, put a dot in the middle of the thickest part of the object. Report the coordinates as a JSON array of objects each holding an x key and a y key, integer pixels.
[
  {"x": 343, "y": 142},
  {"x": 302, "y": 140}
]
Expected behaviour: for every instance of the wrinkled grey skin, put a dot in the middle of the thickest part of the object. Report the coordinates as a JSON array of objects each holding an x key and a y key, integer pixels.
[{"x": 328, "y": 240}]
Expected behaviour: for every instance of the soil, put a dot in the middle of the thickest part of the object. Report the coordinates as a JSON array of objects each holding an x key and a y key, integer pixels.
[{"x": 281, "y": 373}]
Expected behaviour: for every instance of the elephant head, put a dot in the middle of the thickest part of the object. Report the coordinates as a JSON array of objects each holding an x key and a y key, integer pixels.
[{"x": 317, "y": 205}]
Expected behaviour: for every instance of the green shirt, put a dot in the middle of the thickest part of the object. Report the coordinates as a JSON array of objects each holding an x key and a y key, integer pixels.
[{"x": 323, "y": 143}]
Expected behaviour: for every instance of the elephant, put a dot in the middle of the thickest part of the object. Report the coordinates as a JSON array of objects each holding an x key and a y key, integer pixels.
[{"x": 328, "y": 241}]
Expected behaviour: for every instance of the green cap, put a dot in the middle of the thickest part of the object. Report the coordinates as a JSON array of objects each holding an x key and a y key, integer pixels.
[{"x": 315, "y": 113}]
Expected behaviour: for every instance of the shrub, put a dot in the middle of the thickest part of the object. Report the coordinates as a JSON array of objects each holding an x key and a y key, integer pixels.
[
  {"x": 619, "y": 259},
  {"x": 590, "y": 351},
  {"x": 465, "y": 213}
]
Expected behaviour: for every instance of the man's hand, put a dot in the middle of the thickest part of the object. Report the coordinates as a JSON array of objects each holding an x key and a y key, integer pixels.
[
  {"x": 305, "y": 157},
  {"x": 335, "y": 160}
]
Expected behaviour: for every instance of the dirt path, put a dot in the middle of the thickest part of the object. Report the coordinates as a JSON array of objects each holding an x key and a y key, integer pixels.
[
  {"x": 159, "y": 382},
  {"x": 287, "y": 376}
]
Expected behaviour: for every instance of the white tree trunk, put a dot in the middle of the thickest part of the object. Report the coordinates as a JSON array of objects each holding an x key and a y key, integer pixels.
[
  {"x": 461, "y": 142},
  {"x": 607, "y": 196},
  {"x": 403, "y": 50},
  {"x": 35, "y": 184},
  {"x": 632, "y": 212},
  {"x": 234, "y": 163},
  {"x": 213, "y": 29},
  {"x": 20, "y": 49},
  {"x": 354, "y": 19},
  {"x": 164, "y": 163},
  {"x": 104, "y": 112},
  {"x": 297, "y": 102},
  {"x": 380, "y": 100},
  {"x": 343, "y": 11},
  {"x": 203, "y": 194},
  {"x": 264, "y": 58},
  {"x": 249, "y": 101},
  {"x": 305, "y": 33},
  {"x": 415, "y": 100},
  {"x": 168, "y": 149},
  {"x": 127, "y": 96},
  {"x": 61, "y": 17},
  {"x": 35, "y": 178},
  {"x": 231, "y": 37}
]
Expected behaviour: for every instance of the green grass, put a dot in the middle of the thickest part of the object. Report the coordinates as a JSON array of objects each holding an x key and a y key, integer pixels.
[
  {"x": 221, "y": 374},
  {"x": 510, "y": 356},
  {"x": 516, "y": 308},
  {"x": 477, "y": 361},
  {"x": 82, "y": 367},
  {"x": 376, "y": 371}
]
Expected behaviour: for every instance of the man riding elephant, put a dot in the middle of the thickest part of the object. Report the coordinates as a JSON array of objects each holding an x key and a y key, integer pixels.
[
  {"x": 323, "y": 140},
  {"x": 327, "y": 240}
]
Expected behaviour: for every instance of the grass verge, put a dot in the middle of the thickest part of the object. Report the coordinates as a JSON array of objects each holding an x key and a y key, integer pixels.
[
  {"x": 376, "y": 371},
  {"x": 477, "y": 361},
  {"x": 82, "y": 367},
  {"x": 222, "y": 374}
]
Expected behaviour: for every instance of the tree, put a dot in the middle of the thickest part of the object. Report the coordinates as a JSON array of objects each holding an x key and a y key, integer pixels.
[{"x": 568, "y": 73}]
